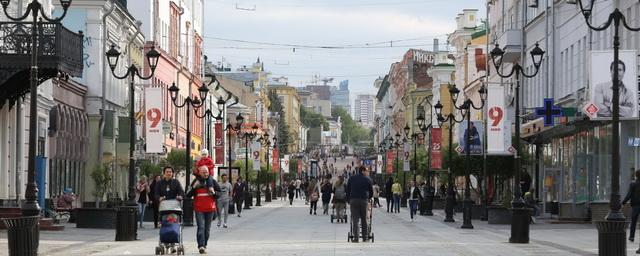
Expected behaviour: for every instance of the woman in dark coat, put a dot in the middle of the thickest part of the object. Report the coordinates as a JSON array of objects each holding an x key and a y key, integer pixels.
[
  {"x": 326, "y": 190},
  {"x": 291, "y": 189},
  {"x": 388, "y": 194}
]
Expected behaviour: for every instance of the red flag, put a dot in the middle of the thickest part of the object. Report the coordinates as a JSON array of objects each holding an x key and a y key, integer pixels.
[
  {"x": 219, "y": 143},
  {"x": 275, "y": 163},
  {"x": 390, "y": 162},
  {"x": 299, "y": 167},
  {"x": 436, "y": 148}
]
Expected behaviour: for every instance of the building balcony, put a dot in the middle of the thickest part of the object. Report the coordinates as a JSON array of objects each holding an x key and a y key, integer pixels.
[
  {"x": 59, "y": 52},
  {"x": 511, "y": 43}
]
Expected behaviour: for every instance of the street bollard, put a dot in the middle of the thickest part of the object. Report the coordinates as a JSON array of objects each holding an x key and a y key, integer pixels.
[{"x": 23, "y": 235}]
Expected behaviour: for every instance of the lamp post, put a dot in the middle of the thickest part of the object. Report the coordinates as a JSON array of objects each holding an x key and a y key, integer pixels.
[
  {"x": 30, "y": 207},
  {"x": 465, "y": 109},
  {"x": 450, "y": 200},
  {"x": 208, "y": 113},
  {"x": 248, "y": 136},
  {"x": 520, "y": 214},
  {"x": 612, "y": 243},
  {"x": 265, "y": 142},
  {"x": 194, "y": 103},
  {"x": 426, "y": 130},
  {"x": 231, "y": 128}
]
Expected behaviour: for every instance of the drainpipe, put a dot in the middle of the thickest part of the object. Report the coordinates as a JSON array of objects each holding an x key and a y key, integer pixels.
[{"x": 105, "y": 71}]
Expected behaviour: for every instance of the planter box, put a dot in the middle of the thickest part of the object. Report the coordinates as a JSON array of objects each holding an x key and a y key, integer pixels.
[
  {"x": 438, "y": 204},
  {"x": 499, "y": 215},
  {"x": 570, "y": 212},
  {"x": 600, "y": 209},
  {"x": 476, "y": 211},
  {"x": 104, "y": 218}
]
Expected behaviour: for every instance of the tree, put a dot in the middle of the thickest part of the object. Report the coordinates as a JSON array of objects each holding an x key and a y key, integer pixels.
[
  {"x": 352, "y": 132},
  {"x": 283, "y": 127},
  {"x": 101, "y": 177},
  {"x": 313, "y": 119},
  {"x": 149, "y": 169},
  {"x": 176, "y": 158}
]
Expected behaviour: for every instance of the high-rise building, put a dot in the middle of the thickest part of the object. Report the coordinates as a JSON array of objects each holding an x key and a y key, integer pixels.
[
  {"x": 340, "y": 95},
  {"x": 364, "y": 109}
]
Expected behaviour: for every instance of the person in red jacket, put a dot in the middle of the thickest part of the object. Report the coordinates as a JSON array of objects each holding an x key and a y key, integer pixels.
[
  {"x": 205, "y": 160},
  {"x": 204, "y": 205}
]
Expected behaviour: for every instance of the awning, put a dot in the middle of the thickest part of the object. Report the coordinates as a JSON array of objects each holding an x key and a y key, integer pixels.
[{"x": 563, "y": 130}]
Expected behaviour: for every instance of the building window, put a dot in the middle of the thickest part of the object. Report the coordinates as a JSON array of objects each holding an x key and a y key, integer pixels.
[{"x": 173, "y": 30}]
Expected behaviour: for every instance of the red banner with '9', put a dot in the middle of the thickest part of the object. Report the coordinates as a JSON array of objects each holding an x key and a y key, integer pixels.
[
  {"x": 436, "y": 148},
  {"x": 219, "y": 143}
]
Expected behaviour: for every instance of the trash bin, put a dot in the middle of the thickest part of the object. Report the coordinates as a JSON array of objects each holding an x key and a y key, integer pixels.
[
  {"x": 23, "y": 235},
  {"x": 126, "y": 223}
]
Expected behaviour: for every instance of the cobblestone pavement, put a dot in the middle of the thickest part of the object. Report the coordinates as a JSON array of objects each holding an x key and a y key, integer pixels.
[{"x": 279, "y": 229}]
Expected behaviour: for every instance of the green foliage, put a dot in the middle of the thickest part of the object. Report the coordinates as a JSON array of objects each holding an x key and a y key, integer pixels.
[
  {"x": 101, "y": 177},
  {"x": 312, "y": 119},
  {"x": 283, "y": 128},
  {"x": 177, "y": 158},
  {"x": 352, "y": 132},
  {"x": 149, "y": 169}
]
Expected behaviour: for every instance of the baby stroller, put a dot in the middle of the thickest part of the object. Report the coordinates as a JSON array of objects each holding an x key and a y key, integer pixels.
[
  {"x": 171, "y": 228},
  {"x": 368, "y": 217},
  {"x": 334, "y": 216}
]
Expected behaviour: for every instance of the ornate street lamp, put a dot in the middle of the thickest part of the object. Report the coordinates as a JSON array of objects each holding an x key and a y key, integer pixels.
[
  {"x": 426, "y": 130},
  {"x": 194, "y": 103},
  {"x": 30, "y": 207},
  {"x": 612, "y": 232},
  {"x": 451, "y": 118},
  {"x": 465, "y": 109},
  {"x": 521, "y": 215}
]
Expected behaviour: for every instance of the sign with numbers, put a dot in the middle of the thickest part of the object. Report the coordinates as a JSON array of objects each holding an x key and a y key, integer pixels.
[
  {"x": 255, "y": 155},
  {"x": 436, "y": 148},
  {"x": 153, "y": 119},
  {"x": 498, "y": 127}
]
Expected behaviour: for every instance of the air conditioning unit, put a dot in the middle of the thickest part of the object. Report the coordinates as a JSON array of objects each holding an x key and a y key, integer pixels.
[{"x": 532, "y": 3}]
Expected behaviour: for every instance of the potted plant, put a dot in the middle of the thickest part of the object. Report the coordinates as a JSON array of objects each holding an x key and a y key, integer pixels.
[
  {"x": 98, "y": 217},
  {"x": 500, "y": 214}
]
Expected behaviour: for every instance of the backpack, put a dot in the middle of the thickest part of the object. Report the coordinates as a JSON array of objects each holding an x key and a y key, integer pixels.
[{"x": 341, "y": 192}]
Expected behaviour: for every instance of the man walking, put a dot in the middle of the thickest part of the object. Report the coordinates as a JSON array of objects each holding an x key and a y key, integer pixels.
[
  {"x": 238, "y": 194},
  {"x": 224, "y": 200},
  {"x": 204, "y": 205},
  {"x": 359, "y": 191},
  {"x": 633, "y": 195}
]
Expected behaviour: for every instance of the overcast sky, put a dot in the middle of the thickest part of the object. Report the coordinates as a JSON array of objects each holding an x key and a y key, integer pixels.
[{"x": 361, "y": 30}]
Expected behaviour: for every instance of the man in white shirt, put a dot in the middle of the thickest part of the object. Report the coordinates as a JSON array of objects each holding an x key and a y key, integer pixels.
[{"x": 298, "y": 183}]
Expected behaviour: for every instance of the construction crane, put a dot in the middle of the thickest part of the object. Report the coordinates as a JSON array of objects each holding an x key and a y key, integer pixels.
[{"x": 317, "y": 79}]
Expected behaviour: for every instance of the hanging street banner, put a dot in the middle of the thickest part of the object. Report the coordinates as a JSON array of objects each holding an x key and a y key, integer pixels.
[
  {"x": 389, "y": 162},
  {"x": 498, "y": 127},
  {"x": 475, "y": 132},
  {"x": 299, "y": 167},
  {"x": 255, "y": 155},
  {"x": 275, "y": 162},
  {"x": 601, "y": 94},
  {"x": 284, "y": 163},
  {"x": 153, "y": 124},
  {"x": 436, "y": 148},
  {"x": 406, "y": 157},
  {"x": 379, "y": 164},
  {"x": 219, "y": 143}
]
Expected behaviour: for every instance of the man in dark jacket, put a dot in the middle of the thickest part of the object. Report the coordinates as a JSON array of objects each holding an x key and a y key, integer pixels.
[
  {"x": 633, "y": 195},
  {"x": 238, "y": 194},
  {"x": 168, "y": 188},
  {"x": 388, "y": 194},
  {"x": 359, "y": 191}
]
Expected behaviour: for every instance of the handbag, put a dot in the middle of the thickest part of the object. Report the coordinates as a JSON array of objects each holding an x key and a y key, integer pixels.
[{"x": 314, "y": 197}]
